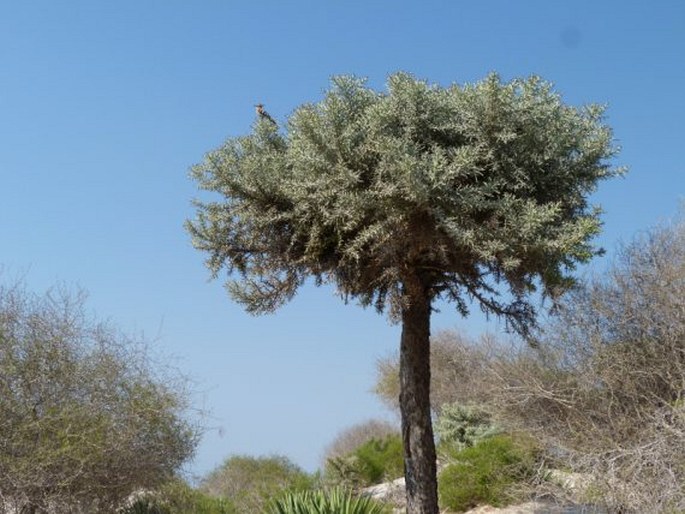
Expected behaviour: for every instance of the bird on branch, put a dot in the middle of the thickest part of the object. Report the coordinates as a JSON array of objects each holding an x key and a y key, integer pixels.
[{"x": 263, "y": 115}]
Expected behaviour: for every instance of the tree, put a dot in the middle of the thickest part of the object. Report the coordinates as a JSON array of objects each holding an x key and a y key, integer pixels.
[
  {"x": 85, "y": 417},
  {"x": 475, "y": 192},
  {"x": 251, "y": 483}
]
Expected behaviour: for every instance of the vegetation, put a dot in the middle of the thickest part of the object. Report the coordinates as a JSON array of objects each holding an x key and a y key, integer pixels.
[
  {"x": 381, "y": 459},
  {"x": 347, "y": 441},
  {"x": 374, "y": 461},
  {"x": 177, "y": 497},
  {"x": 250, "y": 483},
  {"x": 461, "y": 426},
  {"x": 458, "y": 368},
  {"x": 606, "y": 384},
  {"x": 475, "y": 192},
  {"x": 86, "y": 417},
  {"x": 335, "y": 501},
  {"x": 363, "y": 455},
  {"x": 489, "y": 472},
  {"x": 602, "y": 387}
]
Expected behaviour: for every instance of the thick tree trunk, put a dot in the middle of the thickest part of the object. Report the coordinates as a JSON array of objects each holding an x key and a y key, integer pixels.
[{"x": 417, "y": 430}]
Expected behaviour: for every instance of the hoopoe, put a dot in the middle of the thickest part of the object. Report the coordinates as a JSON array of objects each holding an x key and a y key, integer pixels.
[{"x": 259, "y": 108}]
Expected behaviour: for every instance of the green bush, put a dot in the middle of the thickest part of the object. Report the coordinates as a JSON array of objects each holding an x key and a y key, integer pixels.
[
  {"x": 250, "y": 483},
  {"x": 334, "y": 501},
  {"x": 487, "y": 473},
  {"x": 381, "y": 459},
  {"x": 374, "y": 461}
]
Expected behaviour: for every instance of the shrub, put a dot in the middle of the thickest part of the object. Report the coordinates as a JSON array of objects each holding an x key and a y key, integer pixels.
[
  {"x": 345, "y": 472},
  {"x": 459, "y": 369},
  {"x": 372, "y": 462},
  {"x": 381, "y": 459},
  {"x": 364, "y": 454},
  {"x": 335, "y": 501},
  {"x": 250, "y": 483},
  {"x": 462, "y": 426},
  {"x": 86, "y": 418},
  {"x": 606, "y": 384},
  {"x": 179, "y": 498},
  {"x": 488, "y": 472},
  {"x": 353, "y": 437}
]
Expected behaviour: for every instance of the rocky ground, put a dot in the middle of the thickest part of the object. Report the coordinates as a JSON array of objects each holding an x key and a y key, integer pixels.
[
  {"x": 393, "y": 492},
  {"x": 536, "y": 507}
]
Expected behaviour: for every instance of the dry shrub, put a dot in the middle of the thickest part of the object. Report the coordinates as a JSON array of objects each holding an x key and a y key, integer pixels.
[
  {"x": 458, "y": 371},
  {"x": 606, "y": 387},
  {"x": 86, "y": 417}
]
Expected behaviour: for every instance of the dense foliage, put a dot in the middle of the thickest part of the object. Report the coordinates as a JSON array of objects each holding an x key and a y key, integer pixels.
[
  {"x": 475, "y": 192},
  {"x": 372, "y": 462},
  {"x": 488, "y": 182},
  {"x": 487, "y": 473},
  {"x": 86, "y": 418}
]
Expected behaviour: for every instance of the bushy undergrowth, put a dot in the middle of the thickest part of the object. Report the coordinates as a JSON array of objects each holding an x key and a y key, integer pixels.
[
  {"x": 351, "y": 438},
  {"x": 372, "y": 462},
  {"x": 488, "y": 473},
  {"x": 179, "y": 498},
  {"x": 606, "y": 383},
  {"x": 381, "y": 459},
  {"x": 334, "y": 501}
]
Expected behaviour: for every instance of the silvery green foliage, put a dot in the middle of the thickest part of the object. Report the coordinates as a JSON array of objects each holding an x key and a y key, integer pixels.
[
  {"x": 471, "y": 187},
  {"x": 464, "y": 426}
]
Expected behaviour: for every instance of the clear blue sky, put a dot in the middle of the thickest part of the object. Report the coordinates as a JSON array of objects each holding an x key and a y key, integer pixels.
[{"x": 105, "y": 105}]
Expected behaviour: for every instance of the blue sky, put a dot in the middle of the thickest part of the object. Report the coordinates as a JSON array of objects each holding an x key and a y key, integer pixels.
[{"x": 105, "y": 105}]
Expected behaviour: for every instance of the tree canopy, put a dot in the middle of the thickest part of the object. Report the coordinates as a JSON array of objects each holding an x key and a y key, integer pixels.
[
  {"x": 476, "y": 186},
  {"x": 476, "y": 192}
]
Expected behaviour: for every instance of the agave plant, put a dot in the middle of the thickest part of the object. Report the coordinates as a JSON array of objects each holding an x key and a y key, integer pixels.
[{"x": 332, "y": 501}]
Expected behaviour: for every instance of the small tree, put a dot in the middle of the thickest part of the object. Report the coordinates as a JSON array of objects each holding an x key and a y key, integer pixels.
[
  {"x": 85, "y": 418},
  {"x": 251, "y": 483},
  {"x": 401, "y": 198}
]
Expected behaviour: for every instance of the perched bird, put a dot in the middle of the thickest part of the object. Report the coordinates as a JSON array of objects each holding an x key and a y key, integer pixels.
[{"x": 263, "y": 115}]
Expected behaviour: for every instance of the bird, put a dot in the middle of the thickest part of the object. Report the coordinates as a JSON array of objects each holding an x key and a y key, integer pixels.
[{"x": 263, "y": 115}]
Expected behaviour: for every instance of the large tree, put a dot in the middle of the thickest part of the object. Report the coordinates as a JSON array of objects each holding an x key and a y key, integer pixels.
[{"x": 476, "y": 194}]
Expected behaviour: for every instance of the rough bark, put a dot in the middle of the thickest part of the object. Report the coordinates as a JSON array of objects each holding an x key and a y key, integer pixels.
[{"x": 417, "y": 431}]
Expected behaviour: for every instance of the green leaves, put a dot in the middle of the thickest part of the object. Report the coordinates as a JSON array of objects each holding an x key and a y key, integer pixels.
[
  {"x": 464, "y": 185},
  {"x": 334, "y": 501}
]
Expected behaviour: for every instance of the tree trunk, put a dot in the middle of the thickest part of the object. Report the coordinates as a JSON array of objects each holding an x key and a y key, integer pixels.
[{"x": 417, "y": 430}]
